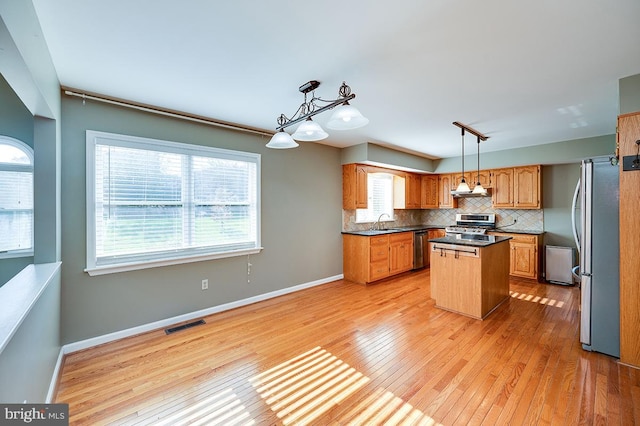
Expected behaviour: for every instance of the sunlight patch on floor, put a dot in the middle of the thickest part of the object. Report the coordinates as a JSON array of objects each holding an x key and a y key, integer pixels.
[
  {"x": 303, "y": 388},
  {"x": 536, "y": 299},
  {"x": 222, "y": 408}
]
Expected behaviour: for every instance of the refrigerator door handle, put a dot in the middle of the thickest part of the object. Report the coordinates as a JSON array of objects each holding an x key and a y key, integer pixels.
[
  {"x": 586, "y": 183},
  {"x": 574, "y": 207},
  {"x": 585, "y": 308}
]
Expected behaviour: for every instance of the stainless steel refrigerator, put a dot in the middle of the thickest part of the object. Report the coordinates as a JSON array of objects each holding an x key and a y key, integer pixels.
[{"x": 596, "y": 205}]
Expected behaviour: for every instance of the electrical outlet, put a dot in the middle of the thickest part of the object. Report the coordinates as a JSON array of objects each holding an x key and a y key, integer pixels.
[{"x": 205, "y": 284}]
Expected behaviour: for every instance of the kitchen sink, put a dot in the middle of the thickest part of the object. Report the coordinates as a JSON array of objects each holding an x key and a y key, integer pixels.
[{"x": 374, "y": 232}]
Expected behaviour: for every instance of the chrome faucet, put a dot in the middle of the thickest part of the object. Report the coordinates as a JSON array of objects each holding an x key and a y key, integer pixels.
[{"x": 377, "y": 224}]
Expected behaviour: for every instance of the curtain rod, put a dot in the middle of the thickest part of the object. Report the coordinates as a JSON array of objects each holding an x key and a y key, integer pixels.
[{"x": 167, "y": 113}]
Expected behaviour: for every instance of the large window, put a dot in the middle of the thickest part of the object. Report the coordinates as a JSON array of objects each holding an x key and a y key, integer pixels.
[
  {"x": 16, "y": 198},
  {"x": 152, "y": 203},
  {"x": 379, "y": 198}
]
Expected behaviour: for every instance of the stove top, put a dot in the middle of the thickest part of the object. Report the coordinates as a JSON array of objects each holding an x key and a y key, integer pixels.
[
  {"x": 472, "y": 223},
  {"x": 465, "y": 230}
]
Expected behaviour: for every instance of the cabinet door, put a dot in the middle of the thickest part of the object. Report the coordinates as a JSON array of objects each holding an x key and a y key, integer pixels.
[
  {"x": 400, "y": 252},
  {"x": 406, "y": 191},
  {"x": 485, "y": 179},
  {"x": 527, "y": 187},
  {"x": 445, "y": 200},
  {"x": 429, "y": 192},
  {"x": 433, "y": 233},
  {"x": 524, "y": 260},
  {"x": 354, "y": 186},
  {"x": 502, "y": 195},
  {"x": 378, "y": 257},
  {"x": 471, "y": 178},
  {"x": 414, "y": 187}
]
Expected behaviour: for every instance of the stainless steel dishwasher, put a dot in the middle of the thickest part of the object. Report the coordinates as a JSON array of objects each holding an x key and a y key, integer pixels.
[{"x": 420, "y": 249}]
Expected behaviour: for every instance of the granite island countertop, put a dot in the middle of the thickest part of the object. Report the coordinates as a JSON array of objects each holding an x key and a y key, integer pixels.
[
  {"x": 459, "y": 241},
  {"x": 517, "y": 231}
]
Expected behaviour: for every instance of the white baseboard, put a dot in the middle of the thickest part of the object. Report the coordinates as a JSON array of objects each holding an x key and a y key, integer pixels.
[
  {"x": 54, "y": 379},
  {"x": 99, "y": 340}
]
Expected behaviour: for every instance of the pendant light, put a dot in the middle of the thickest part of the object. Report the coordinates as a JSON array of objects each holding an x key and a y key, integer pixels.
[
  {"x": 309, "y": 131},
  {"x": 479, "y": 189},
  {"x": 463, "y": 187},
  {"x": 282, "y": 140}
]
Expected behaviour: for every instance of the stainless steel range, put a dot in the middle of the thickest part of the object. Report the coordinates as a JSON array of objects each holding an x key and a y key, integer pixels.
[{"x": 472, "y": 223}]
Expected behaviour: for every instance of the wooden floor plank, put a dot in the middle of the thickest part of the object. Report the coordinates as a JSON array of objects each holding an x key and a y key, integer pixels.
[{"x": 343, "y": 353}]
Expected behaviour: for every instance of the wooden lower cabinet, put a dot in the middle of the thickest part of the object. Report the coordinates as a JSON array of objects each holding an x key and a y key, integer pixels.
[
  {"x": 433, "y": 233},
  {"x": 470, "y": 282},
  {"x": 525, "y": 256},
  {"x": 400, "y": 252},
  {"x": 368, "y": 259}
]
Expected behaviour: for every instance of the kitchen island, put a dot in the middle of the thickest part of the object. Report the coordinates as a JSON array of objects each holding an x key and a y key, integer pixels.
[{"x": 470, "y": 273}]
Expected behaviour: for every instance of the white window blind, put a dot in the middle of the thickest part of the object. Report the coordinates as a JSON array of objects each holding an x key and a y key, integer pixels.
[
  {"x": 150, "y": 202},
  {"x": 16, "y": 198},
  {"x": 379, "y": 198}
]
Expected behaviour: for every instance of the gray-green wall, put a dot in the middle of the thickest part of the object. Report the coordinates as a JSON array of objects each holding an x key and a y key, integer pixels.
[
  {"x": 301, "y": 222},
  {"x": 629, "y": 89},
  {"x": 16, "y": 122},
  {"x": 558, "y": 186},
  {"x": 28, "y": 361}
]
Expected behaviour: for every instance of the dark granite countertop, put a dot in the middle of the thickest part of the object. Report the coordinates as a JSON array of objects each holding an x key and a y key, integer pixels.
[
  {"x": 517, "y": 231},
  {"x": 457, "y": 240},
  {"x": 372, "y": 232},
  {"x": 413, "y": 228}
]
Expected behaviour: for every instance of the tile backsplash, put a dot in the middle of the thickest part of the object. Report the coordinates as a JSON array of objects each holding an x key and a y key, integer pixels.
[{"x": 525, "y": 220}]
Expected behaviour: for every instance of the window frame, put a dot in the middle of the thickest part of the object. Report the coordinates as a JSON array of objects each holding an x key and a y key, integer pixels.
[
  {"x": 362, "y": 215},
  {"x": 22, "y": 146},
  {"x": 141, "y": 261}
]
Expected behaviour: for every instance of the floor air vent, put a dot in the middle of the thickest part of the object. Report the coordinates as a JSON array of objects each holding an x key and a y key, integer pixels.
[{"x": 183, "y": 326}]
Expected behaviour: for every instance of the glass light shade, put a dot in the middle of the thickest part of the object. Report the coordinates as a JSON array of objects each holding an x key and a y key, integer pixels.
[
  {"x": 309, "y": 131},
  {"x": 479, "y": 189},
  {"x": 463, "y": 187},
  {"x": 346, "y": 117},
  {"x": 282, "y": 140}
]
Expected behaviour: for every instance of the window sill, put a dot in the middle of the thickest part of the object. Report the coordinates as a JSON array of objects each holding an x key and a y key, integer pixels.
[
  {"x": 124, "y": 267},
  {"x": 20, "y": 294},
  {"x": 15, "y": 254}
]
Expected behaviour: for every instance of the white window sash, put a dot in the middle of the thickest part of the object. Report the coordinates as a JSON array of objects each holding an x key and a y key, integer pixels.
[
  {"x": 190, "y": 251},
  {"x": 17, "y": 234}
]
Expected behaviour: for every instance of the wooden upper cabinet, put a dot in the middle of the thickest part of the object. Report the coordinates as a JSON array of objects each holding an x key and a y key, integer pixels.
[
  {"x": 485, "y": 179},
  {"x": 445, "y": 185},
  {"x": 406, "y": 191},
  {"x": 414, "y": 188},
  {"x": 429, "y": 192},
  {"x": 354, "y": 186},
  {"x": 517, "y": 188},
  {"x": 526, "y": 189},
  {"x": 502, "y": 194}
]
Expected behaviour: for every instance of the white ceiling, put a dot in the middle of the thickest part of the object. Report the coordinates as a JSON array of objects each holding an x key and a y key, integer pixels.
[{"x": 523, "y": 73}]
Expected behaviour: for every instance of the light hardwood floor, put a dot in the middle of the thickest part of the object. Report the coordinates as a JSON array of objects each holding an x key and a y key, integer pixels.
[{"x": 343, "y": 353}]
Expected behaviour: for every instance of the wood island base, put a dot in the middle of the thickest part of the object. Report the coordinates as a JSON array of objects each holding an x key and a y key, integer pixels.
[{"x": 468, "y": 280}]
